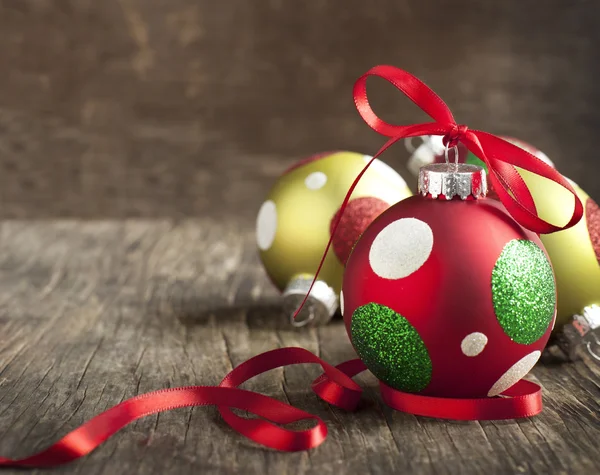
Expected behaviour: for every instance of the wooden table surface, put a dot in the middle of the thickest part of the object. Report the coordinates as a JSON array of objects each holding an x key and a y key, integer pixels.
[
  {"x": 180, "y": 114},
  {"x": 95, "y": 312}
]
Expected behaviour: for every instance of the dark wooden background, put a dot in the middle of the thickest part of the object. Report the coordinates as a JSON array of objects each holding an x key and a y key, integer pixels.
[
  {"x": 180, "y": 114},
  {"x": 139, "y": 107}
]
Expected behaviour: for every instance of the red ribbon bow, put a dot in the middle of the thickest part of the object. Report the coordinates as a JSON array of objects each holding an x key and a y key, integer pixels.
[
  {"x": 500, "y": 156},
  {"x": 336, "y": 386}
]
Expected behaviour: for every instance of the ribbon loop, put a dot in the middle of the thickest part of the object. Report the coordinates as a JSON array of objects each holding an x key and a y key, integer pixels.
[{"x": 500, "y": 156}]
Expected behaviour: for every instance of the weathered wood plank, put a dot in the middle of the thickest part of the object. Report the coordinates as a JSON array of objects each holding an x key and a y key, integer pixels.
[{"x": 95, "y": 312}]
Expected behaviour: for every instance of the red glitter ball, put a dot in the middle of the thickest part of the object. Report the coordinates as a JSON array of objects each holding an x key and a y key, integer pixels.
[
  {"x": 312, "y": 158},
  {"x": 358, "y": 215},
  {"x": 592, "y": 216}
]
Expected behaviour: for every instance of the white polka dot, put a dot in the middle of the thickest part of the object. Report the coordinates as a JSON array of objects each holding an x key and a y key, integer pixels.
[
  {"x": 342, "y": 302},
  {"x": 315, "y": 180},
  {"x": 385, "y": 170},
  {"x": 266, "y": 225},
  {"x": 401, "y": 248},
  {"x": 473, "y": 344},
  {"x": 515, "y": 373}
]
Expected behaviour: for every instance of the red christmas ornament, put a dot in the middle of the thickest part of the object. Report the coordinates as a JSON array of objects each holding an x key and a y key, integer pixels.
[{"x": 449, "y": 297}]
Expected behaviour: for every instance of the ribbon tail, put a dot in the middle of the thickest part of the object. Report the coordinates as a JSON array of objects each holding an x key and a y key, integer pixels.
[
  {"x": 265, "y": 431},
  {"x": 96, "y": 431},
  {"x": 524, "y": 399},
  {"x": 502, "y": 157},
  {"x": 342, "y": 392},
  {"x": 331, "y": 391}
]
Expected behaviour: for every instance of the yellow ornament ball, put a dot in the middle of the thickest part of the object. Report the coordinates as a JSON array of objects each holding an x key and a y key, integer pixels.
[
  {"x": 294, "y": 224},
  {"x": 575, "y": 252}
]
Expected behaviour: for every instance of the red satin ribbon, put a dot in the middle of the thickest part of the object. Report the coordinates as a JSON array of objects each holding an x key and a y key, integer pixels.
[
  {"x": 334, "y": 386},
  {"x": 500, "y": 156}
]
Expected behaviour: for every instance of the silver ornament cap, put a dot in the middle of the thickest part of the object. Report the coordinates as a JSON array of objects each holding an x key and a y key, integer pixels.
[
  {"x": 320, "y": 305},
  {"x": 582, "y": 334},
  {"x": 450, "y": 180}
]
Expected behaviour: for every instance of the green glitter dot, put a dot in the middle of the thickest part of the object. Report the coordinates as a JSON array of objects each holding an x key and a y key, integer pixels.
[
  {"x": 390, "y": 347},
  {"x": 472, "y": 159},
  {"x": 523, "y": 291}
]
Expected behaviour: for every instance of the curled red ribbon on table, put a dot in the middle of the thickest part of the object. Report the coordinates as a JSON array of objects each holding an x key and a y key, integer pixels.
[{"x": 336, "y": 386}]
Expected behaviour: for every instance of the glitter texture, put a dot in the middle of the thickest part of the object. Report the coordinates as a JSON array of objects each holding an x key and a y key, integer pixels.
[
  {"x": 473, "y": 344},
  {"x": 461, "y": 180},
  {"x": 357, "y": 216},
  {"x": 515, "y": 373},
  {"x": 401, "y": 248},
  {"x": 391, "y": 347},
  {"x": 523, "y": 291},
  {"x": 592, "y": 216}
]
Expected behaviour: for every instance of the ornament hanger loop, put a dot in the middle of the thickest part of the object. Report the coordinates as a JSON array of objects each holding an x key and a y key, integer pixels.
[{"x": 455, "y": 149}]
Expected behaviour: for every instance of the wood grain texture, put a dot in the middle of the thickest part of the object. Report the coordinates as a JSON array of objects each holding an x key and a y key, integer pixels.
[
  {"x": 131, "y": 107},
  {"x": 92, "y": 313}
]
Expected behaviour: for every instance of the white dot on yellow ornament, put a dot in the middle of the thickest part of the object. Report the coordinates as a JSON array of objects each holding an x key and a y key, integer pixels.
[
  {"x": 515, "y": 373},
  {"x": 266, "y": 225},
  {"x": 386, "y": 171},
  {"x": 401, "y": 248},
  {"x": 315, "y": 180},
  {"x": 473, "y": 344}
]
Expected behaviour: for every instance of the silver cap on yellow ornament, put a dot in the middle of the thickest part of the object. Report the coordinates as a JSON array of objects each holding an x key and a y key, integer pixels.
[
  {"x": 581, "y": 336},
  {"x": 294, "y": 225}
]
